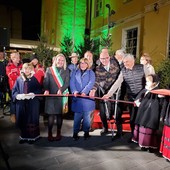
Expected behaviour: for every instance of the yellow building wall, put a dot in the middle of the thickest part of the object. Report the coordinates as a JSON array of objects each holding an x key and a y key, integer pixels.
[
  {"x": 48, "y": 20},
  {"x": 156, "y": 34},
  {"x": 153, "y": 25}
]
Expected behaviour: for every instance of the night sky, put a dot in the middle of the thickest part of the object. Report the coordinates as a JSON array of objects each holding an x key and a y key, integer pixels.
[{"x": 31, "y": 16}]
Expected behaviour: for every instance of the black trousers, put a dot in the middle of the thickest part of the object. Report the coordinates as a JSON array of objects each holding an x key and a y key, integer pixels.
[
  {"x": 106, "y": 112},
  {"x": 133, "y": 111}
]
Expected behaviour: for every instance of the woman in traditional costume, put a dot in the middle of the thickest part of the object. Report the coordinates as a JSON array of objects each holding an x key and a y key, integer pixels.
[
  {"x": 27, "y": 105},
  {"x": 148, "y": 116}
]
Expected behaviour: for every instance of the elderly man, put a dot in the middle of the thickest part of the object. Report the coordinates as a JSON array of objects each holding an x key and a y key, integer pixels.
[
  {"x": 134, "y": 78},
  {"x": 106, "y": 74},
  {"x": 119, "y": 55}
]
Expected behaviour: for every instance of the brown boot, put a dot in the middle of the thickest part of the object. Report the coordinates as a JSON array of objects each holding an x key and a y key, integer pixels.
[
  {"x": 50, "y": 137},
  {"x": 58, "y": 137}
]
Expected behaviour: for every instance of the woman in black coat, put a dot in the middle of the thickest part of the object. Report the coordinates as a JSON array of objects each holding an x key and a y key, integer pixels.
[
  {"x": 148, "y": 116},
  {"x": 56, "y": 82}
]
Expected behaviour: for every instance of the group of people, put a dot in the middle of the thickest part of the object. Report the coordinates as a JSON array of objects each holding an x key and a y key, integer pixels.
[{"x": 117, "y": 75}]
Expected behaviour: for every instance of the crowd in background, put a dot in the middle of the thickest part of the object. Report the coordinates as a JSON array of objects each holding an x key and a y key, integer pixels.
[{"x": 111, "y": 76}]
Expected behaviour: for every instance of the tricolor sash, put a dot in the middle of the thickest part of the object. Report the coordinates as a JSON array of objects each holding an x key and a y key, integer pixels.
[{"x": 59, "y": 81}]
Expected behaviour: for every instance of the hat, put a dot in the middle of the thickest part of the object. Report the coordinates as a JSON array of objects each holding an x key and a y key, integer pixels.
[
  {"x": 74, "y": 55},
  {"x": 34, "y": 56}
]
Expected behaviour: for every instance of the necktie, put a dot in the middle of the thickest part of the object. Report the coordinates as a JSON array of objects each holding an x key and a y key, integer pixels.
[{"x": 25, "y": 87}]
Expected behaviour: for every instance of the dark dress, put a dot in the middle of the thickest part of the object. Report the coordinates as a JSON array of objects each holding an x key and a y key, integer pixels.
[
  {"x": 147, "y": 120},
  {"x": 54, "y": 105},
  {"x": 27, "y": 111}
]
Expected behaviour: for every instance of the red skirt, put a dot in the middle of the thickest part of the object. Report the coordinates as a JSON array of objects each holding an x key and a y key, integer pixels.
[
  {"x": 165, "y": 143},
  {"x": 145, "y": 137}
]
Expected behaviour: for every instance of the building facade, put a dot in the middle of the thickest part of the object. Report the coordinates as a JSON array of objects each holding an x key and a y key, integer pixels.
[
  {"x": 137, "y": 26},
  {"x": 63, "y": 18}
]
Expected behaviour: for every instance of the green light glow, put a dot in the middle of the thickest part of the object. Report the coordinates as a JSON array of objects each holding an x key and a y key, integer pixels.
[{"x": 71, "y": 19}]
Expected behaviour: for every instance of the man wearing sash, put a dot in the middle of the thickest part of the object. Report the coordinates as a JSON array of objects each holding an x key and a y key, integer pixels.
[{"x": 56, "y": 82}]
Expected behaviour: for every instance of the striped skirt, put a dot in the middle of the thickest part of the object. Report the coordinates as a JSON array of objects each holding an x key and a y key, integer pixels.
[
  {"x": 146, "y": 137},
  {"x": 165, "y": 143}
]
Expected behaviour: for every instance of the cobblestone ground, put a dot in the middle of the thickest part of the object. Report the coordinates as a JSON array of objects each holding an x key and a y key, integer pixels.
[{"x": 96, "y": 153}]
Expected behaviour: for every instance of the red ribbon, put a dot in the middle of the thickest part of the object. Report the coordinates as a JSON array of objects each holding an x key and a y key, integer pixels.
[
  {"x": 78, "y": 95},
  {"x": 165, "y": 92}
]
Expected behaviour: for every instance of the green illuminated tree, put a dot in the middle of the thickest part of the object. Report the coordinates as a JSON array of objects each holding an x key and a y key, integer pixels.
[
  {"x": 44, "y": 52},
  {"x": 87, "y": 45},
  {"x": 67, "y": 46},
  {"x": 105, "y": 41}
]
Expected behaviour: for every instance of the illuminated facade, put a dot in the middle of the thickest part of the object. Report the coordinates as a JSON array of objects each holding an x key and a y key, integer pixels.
[
  {"x": 63, "y": 17},
  {"x": 137, "y": 26}
]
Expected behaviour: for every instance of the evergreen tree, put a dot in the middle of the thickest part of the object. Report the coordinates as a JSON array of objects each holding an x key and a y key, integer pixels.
[
  {"x": 163, "y": 71},
  {"x": 67, "y": 46}
]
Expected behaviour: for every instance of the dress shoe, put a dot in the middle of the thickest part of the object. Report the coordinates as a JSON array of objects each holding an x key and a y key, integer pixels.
[
  {"x": 75, "y": 137},
  {"x": 58, "y": 138},
  {"x": 86, "y": 135},
  {"x": 104, "y": 131},
  {"x": 143, "y": 149},
  {"x": 91, "y": 130},
  {"x": 50, "y": 138},
  {"x": 118, "y": 136},
  {"x": 151, "y": 150}
]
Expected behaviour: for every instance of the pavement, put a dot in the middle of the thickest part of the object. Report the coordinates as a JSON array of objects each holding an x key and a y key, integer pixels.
[{"x": 96, "y": 153}]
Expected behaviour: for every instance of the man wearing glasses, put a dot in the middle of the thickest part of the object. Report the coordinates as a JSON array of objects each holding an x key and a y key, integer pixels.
[
  {"x": 133, "y": 76},
  {"x": 106, "y": 74}
]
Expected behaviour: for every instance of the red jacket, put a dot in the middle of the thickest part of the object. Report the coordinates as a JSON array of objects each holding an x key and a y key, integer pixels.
[
  {"x": 12, "y": 72},
  {"x": 39, "y": 73}
]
